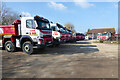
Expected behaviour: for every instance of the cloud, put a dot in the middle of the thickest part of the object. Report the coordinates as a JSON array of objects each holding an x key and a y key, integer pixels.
[
  {"x": 57, "y": 6},
  {"x": 26, "y": 14},
  {"x": 83, "y": 3},
  {"x": 116, "y": 5}
]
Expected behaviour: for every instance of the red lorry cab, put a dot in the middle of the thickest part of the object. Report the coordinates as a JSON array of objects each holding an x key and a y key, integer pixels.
[
  {"x": 62, "y": 33},
  {"x": 80, "y": 36}
]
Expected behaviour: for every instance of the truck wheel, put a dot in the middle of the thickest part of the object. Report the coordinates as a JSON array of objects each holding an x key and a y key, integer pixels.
[
  {"x": 42, "y": 48},
  {"x": 57, "y": 43},
  {"x": 9, "y": 46},
  {"x": 27, "y": 47}
]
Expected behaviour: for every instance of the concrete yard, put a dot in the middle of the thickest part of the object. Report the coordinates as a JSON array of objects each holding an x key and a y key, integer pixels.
[{"x": 83, "y": 59}]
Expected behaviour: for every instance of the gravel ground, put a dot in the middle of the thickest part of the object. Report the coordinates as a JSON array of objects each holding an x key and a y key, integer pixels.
[{"x": 82, "y": 59}]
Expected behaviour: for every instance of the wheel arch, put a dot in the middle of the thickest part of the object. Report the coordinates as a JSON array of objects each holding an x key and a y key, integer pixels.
[{"x": 24, "y": 39}]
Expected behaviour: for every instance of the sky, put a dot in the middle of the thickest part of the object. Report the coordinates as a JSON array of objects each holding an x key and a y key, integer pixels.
[{"x": 83, "y": 15}]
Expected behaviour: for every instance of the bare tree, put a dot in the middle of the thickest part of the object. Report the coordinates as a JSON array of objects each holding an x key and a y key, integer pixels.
[
  {"x": 88, "y": 30},
  {"x": 0, "y": 12},
  {"x": 70, "y": 26},
  {"x": 7, "y": 15}
]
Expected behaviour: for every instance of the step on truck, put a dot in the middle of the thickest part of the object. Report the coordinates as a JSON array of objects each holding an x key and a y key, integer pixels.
[
  {"x": 27, "y": 33},
  {"x": 55, "y": 34}
]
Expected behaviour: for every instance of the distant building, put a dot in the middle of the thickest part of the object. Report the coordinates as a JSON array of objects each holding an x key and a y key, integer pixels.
[{"x": 94, "y": 32}]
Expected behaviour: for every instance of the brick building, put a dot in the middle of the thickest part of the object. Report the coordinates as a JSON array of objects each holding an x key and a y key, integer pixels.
[{"x": 94, "y": 32}]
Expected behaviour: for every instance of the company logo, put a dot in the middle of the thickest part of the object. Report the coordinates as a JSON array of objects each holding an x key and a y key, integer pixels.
[
  {"x": 55, "y": 33},
  {"x": 32, "y": 32}
]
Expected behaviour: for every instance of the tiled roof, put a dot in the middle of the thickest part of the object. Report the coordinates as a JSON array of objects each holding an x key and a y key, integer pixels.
[{"x": 112, "y": 30}]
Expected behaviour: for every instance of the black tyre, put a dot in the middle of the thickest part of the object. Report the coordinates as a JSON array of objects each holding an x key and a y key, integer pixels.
[
  {"x": 9, "y": 46},
  {"x": 27, "y": 47},
  {"x": 57, "y": 45},
  {"x": 42, "y": 48}
]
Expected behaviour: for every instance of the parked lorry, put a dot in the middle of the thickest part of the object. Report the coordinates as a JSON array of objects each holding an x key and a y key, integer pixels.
[
  {"x": 27, "y": 33},
  {"x": 61, "y": 29},
  {"x": 74, "y": 37},
  {"x": 117, "y": 36},
  {"x": 70, "y": 36},
  {"x": 106, "y": 36},
  {"x": 80, "y": 36},
  {"x": 61, "y": 34},
  {"x": 55, "y": 34},
  {"x": 67, "y": 34}
]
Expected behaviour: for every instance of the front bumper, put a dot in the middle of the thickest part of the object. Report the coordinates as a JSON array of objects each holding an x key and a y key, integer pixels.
[{"x": 39, "y": 46}]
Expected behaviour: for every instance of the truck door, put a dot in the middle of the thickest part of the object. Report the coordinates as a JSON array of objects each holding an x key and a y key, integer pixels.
[{"x": 28, "y": 27}]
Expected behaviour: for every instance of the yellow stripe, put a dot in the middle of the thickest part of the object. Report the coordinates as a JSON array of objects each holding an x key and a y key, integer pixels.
[
  {"x": 31, "y": 35},
  {"x": 8, "y": 34},
  {"x": 34, "y": 35},
  {"x": 12, "y": 27}
]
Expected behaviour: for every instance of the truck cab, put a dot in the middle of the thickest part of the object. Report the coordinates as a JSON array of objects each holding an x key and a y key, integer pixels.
[
  {"x": 27, "y": 33},
  {"x": 82, "y": 36},
  {"x": 67, "y": 34},
  {"x": 78, "y": 36},
  {"x": 106, "y": 36},
  {"x": 61, "y": 29},
  {"x": 70, "y": 35},
  {"x": 55, "y": 34}
]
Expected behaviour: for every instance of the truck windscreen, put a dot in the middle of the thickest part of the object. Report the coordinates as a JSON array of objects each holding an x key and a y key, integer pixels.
[
  {"x": 61, "y": 29},
  {"x": 66, "y": 31},
  {"x": 53, "y": 28},
  {"x": 43, "y": 25},
  {"x": 70, "y": 32}
]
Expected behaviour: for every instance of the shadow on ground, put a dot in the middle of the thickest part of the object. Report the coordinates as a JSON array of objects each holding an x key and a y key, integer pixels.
[
  {"x": 83, "y": 42},
  {"x": 69, "y": 48}
]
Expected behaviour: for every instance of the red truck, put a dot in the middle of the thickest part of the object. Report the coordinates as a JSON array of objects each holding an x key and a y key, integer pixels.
[
  {"x": 80, "y": 36},
  {"x": 55, "y": 34},
  {"x": 61, "y": 34},
  {"x": 70, "y": 35},
  {"x": 27, "y": 33},
  {"x": 61, "y": 29},
  {"x": 106, "y": 36},
  {"x": 67, "y": 34}
]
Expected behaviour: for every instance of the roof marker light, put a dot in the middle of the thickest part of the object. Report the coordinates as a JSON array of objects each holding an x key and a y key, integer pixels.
[{"x": 36, "y": 16}]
